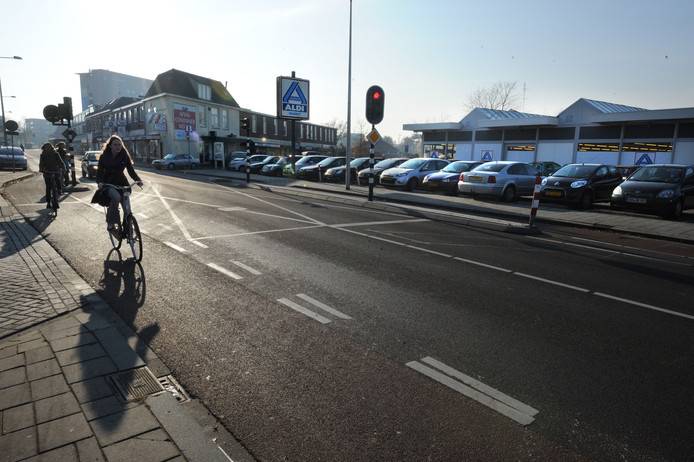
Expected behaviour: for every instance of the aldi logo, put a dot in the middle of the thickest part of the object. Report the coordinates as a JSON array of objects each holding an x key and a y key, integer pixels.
[{"x": 292, "y": 98}]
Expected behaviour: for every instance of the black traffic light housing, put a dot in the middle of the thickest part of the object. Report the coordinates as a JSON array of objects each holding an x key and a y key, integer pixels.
[
  {"x": 245, "y": 123},
  {"x": 60, "y": 114},
  {"x": 375, "y": 100},
  {"x": 65, "y": 109}
]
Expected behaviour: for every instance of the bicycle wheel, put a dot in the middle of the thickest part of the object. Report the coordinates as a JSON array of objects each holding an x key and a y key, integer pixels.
[
  {"x": 116, "y": 238},
  {"x": 132, "y": 233}
]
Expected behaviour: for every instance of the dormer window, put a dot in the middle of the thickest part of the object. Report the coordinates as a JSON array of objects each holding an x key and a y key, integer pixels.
[{"x": 204, "y": 91}]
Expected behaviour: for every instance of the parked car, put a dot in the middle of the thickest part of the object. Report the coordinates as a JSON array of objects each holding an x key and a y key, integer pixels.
[
  {"x": 13, "y": 158},
  {"x": 546, "y": 168},
  {"x": 410, "y": 174},
  {"x": 173, "y": 161},
  {"x": 90, "y": 162},
  {"x": 304, "y": 161},
  {"x": 311, "y": 172},
  {"x": 507, "y": 180},
  {"x": 338, "y": 173},
  {"x": 380, "y": 167},
  {"x": 581, "y": 184},
  {"x": 627, "y": 170},
  {"x": 256, "y": 167},
  {"x": 447, "y": 178},
  {"x": 235, "y": 160},
  {"x": 276, "y": 168},
  {"x": 664, "y": 189},
  {"x": 239, "y": 164}
]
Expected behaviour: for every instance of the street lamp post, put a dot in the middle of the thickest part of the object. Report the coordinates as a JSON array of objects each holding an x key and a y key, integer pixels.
[
  {"x": 348, "y": 153},
  {"x": 2, "y": 104}
]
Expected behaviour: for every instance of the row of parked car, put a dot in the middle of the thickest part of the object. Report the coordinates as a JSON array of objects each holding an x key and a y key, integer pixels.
[{"x": 13, "y": 158}]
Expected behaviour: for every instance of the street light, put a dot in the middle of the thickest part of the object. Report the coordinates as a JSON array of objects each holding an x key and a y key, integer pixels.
[
  {"x": 348, "y": 152},
  {"x": 2, "y": 104}
]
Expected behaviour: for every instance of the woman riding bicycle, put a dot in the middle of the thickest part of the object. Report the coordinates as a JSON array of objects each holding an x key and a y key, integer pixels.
[
  {"x": 51, "y": 165},
  {"x": 114, "y": 159}
]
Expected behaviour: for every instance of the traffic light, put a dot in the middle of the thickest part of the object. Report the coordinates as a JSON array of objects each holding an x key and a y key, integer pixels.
[
  {"x": 245, "y": 123},
  {"x": 375, "y": 99},
  {"x": 251, "y": 146},
  {"x": 65, "y": 109}
]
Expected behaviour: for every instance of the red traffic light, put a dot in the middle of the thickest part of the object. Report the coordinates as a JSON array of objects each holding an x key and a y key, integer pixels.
[
  {"x": 377, "y": 95},
  {"x": 375, "y": 99}
]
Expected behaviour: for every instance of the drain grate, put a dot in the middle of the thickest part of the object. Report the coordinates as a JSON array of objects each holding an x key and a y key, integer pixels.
[
  {"x": 136, "y": 384},
  {"x": 172, "y": 386}
]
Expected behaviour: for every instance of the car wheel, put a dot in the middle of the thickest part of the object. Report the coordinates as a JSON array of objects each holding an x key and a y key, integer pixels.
[
  {"x": 586, "y": 201},
  {"x": 412, "y": 184},
  {"x": 509, "y": 194},
  {"x": 170, "y": 166}
]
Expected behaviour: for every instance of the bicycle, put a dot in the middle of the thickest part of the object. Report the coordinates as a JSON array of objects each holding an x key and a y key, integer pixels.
[
  {"x": 54, "y": 178},
  {"x": 129, "y": 229}
]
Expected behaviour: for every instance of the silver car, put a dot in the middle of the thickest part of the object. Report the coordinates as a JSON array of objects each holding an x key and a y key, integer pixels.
[
  {"x": 411, "y": 173},
  {"x": 506, "y": 180},
  {"x": 12, "y": 158}
]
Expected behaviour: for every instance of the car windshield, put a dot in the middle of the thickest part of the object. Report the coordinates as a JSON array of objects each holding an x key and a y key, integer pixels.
[
  {"x": 388, "y": 163},
  {"x": 575, "y": 171},
  {"x": 356, "y": 163},
  {"x": 9, "y": 151},
  {"x": 271, "y": 160},
  {"x": 328, "y": 161},
  {"x": 413, "y": 163},
  {"x": 169, "y": 156},
  {"x": 658, "y": 174},
  {"x": 308, "y": 161},
  {"x": 490, "y": 167},
  {"x": 93, "y": 156},
  {"x": 456, "y": 167},
  {"x": 256, "y": 158}
]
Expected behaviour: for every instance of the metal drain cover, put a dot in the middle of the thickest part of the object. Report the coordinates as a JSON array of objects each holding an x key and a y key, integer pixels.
[{"x": 136, "y": 384}]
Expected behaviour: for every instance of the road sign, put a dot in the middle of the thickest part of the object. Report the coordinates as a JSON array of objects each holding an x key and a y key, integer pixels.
[
  {"x": 69, "y": 135},
  {"x": 292, "y": 98},
  {"x": 487, "y": 156},
  {"x": 373, "y": 137},
  {"x": 11, "y": 126},
  {"x": 645, "y": 159}
]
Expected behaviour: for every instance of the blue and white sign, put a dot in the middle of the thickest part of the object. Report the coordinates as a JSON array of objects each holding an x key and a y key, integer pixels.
[
  {"x": 645, "y": 159},
  {"x": 292, "y": 98},
  {"x": 488, "y": 156}
]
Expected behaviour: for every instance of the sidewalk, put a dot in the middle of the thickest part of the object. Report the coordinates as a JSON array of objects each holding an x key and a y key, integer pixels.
[
  {"x": 600, "y": 217},
  {"x": 76, "y": 383}
]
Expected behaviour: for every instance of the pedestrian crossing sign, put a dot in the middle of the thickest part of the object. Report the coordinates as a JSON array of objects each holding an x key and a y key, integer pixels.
[
  {"x": 645, "y": 159},
  {"x": 487, "y": 156}
]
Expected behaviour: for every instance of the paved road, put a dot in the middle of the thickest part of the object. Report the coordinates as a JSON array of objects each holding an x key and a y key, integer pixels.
[{"x": 593, "y": 336}]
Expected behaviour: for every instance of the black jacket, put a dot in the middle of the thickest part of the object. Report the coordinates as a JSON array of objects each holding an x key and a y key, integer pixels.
[
  {"x": 111, "y": 168},
  {"x": 50, "y": 162}
]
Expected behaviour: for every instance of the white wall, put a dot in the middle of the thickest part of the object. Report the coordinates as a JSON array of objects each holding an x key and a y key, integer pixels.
[
  {"x": 520, "y": 156},
  {"x": 463, "y": 151},
  {"x": 630, "y": 158},
  {"x": 597, "y": 157},
  {"x": 684, "y": 153},
  {"x": 494, "y": 147},
  {"x": 561, "y": 153}
]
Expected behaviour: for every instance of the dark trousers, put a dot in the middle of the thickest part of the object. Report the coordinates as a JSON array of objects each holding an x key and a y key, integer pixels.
[{"x": 49, "y": 178}]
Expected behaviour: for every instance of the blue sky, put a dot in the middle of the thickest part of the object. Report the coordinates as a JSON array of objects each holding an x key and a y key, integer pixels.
[{"x": 428, "y": 56}]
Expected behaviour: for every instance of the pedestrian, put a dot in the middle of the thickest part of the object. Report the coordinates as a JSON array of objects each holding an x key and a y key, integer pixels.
[
  {"x": 50, "y": 164},
  {"x": 65, "y": 156},
  {"x": 114, "y": 159}
]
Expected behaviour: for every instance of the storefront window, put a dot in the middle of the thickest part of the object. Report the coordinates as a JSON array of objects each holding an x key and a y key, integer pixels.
[{"x": 439, "y": 151}]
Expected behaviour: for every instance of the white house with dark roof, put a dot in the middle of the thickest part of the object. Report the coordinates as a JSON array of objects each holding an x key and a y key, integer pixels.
[{"x": 586, "y": 131}]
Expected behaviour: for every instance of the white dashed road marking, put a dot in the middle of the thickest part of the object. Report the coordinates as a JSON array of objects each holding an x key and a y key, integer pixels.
[
  {"x": 142, "y": 215},
  {"x": 199, "y": 244},
  {"x": 246, "y": 267},
  {"x": 175, "y": 247},
  {"x": 549, "y": 281},
  {"x": 644, "y": 305},
  {"x": 304, "y": 311},
  {"x": 323, "y": 306},
  {"x": 224, "y": 271}
]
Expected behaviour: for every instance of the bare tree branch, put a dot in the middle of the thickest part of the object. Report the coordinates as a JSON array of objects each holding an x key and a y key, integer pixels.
[{"x": 501, "y": 95}]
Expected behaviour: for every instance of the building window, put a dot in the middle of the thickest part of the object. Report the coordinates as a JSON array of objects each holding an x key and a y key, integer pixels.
[
  {"x": 274, "y": 126},
  {"x": 254, "y": 123},
  {"x": 598, "y": 147},
  {"x": 214, "y": 117},
  {"x": 264, "y": 125},
  {"x": 225, "y": 119},
  {"x": 203, "y": 116},
  {"x": 204, "y": 91},
  {"x": 600, "y": 133},
  {"x": 647, "y": 147},
  {"x": 284, "y": 125}
]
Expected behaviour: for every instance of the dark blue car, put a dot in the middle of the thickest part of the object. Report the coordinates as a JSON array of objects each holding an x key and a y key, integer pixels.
[{"x": 446, "y": 179}]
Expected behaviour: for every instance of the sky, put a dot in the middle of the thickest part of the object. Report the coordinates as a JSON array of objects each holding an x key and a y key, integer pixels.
[{"x": 429, "y": 56}]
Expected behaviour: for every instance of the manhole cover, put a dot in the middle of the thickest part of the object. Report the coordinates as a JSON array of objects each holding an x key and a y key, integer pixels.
[{"x": 136, "y": 384}]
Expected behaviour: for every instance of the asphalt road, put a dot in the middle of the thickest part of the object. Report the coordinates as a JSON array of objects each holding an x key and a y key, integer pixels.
[{"x": 591, "y": 338}]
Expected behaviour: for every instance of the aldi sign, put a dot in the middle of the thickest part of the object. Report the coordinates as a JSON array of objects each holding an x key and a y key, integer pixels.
[{"x": 292, "y": 98}]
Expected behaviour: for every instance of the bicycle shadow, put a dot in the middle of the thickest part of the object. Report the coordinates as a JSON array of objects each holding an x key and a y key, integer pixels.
[{"x": 123, "y": 285}]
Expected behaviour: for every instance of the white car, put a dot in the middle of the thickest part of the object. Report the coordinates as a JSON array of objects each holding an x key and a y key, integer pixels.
[{"x": 237, "y": 161}]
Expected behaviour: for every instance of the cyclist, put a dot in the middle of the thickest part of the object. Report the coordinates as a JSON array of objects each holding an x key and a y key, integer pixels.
[
  {"x": 114, "y": 159},
  {"x": 51, "y": 165},
  {"x": 67, "y": 160}
]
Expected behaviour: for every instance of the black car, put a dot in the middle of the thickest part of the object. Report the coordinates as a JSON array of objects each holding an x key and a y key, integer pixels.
[
  {"x": 301, "y": 162},
  {"x": 90, "y": 162},
  {"x": 581, "y": 184},
  {"x": 363, "y": 175},
  {"x": 311, "y": 172},
  {"x": 664, "y": 189},
  {"x": 446, "y": 179},
  {"x": 13, "y": 158},
  {"x": 257, "y": 167},
  {"x": 275, "y": 168},
  {"x": 338, "y": 173}
]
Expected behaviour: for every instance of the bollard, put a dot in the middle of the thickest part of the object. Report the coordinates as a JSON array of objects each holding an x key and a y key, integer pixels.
[
  {"x": 371, "y": 171},
  {"x": 536, "y": 201},
  {"x": 248, "y": 173},
  {"x": 320, "y": 174}
]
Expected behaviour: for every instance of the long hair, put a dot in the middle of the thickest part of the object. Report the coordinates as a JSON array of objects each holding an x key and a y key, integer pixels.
[{"x": 107, "y": 146}]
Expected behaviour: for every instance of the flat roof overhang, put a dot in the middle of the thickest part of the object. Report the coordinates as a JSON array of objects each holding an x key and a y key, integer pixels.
[
  {"x": 521, "y": 122},
  {"x": 660, "y": 115},
  {"x": 434, "y": 126}
]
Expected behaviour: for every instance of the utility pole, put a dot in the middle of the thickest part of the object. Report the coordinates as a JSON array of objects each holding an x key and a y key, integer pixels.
[{"x": 348, "y": 153}]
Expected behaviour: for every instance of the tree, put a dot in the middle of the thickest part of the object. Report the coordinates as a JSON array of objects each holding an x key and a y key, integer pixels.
[{"x": 501, "y": 95}]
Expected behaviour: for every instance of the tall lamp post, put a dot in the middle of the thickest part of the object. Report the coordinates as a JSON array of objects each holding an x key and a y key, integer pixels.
[
  {"x": 348, "y": 154},
  {"x": 2, "y": 104}
]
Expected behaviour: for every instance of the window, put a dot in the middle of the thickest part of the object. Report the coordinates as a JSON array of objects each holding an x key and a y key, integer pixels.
[
  {"x": 645, "y": 147},
  {"x": 520, "y": 134},
  {"x": 649, "y": 131},
  {"x": 214, "y": 117},
  {"x": 598, "y": 133},
  {"x": 254, "y": 123},
  {"x": 264, "y": 125},
  {"x": 516, "y": 169},
  {"x": 601, "y": 172},
  {"x": 284, "y": 125},
  {"x": 203, "y": 116},
  {"x": 274, "y": 126},
  {"x": 225, "y": 119},
  {"x": 204, "y": 91},
  {"x": 488, "y": 135},
  {"x": 604, "y": 147},
  {"x": 614, "y": 172}
]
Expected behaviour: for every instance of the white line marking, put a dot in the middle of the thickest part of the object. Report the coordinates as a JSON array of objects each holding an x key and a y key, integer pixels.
[
  {"x": 166, "y": 227},
  {"x": 373, "y": 223},
  {"x": 175, "y": 247},
  {"x": 176, "y": 220},
  {"x": 323, "y": 306},
  {"x": 440, "y": 254},
  {"x": 142, "y": 215},
  {"x": 498, "y": 406},
  {"x": 246, "y": 267},
  {"x": 224, "y": 271},
  {"x": 644, "y": 305},
  {"x": 549, "y": 281},
  {"x": 231, "y": 209},
  {"x": 473, "y": 262},
  {"x": 486, "y": 389},
  {"x": 279, "y": 216},
  {"x": 199, "y": 244},
  {"x": 304, "y": 311},
  {"x": 225, "y": 454},
  {"x": 372, "y": 237},
  {"x": 257, "y": 232}
]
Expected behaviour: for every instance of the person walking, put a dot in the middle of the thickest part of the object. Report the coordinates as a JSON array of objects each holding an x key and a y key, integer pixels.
[
  {"x": 51, "y": 165},
  {"x": 114, "y": 159},
  {"x": 67, "y": 161}
]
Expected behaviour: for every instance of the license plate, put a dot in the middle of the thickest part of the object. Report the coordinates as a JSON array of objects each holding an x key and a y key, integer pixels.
[
  {"x": 636, "y": 200},
  {"x": 553, "y": 193},
  {"x": 474, "y": 179}
]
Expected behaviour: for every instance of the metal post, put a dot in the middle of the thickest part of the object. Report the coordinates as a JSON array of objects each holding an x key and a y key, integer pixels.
[
  {"x": 371, "y": 168},
  {"x": 11, "y": 149},
  {"x": 348, "y": 153},
  {"x": 2, "y": 104},
  {"x": 536, "y": 201},
  {"x": 292, "y": 155}
]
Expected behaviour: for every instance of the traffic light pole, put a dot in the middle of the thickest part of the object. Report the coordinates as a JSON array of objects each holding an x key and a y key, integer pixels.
[{"x": 371, "y": 167}]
